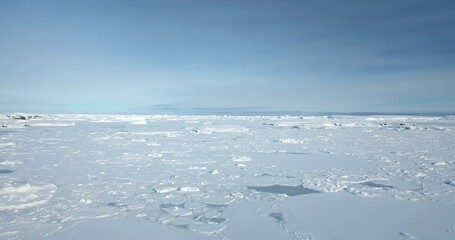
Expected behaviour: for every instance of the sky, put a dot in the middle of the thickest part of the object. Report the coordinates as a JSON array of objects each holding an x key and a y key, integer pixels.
[{"x": 215, "y": 56}]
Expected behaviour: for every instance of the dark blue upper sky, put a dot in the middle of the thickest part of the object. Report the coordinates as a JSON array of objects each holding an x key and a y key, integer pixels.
[{"x": 187, "y": 56}]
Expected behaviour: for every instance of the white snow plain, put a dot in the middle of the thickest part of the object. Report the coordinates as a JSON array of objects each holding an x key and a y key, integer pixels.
[{"x": 227, "y": 177}]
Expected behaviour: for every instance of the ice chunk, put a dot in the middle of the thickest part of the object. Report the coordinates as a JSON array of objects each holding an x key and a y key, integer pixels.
[
  {"x": 215, "y": 172},
  {"x": 292, "y": 141},
  {"x": 178, "y": 211},
  {"x": 165, "y": 189},
  {"x": 189, "y": 189},
  {"x": 9, "y": 163},
  {"x": 8, "y": 144},
  {"x": 25, "y": 196},
  {"x": 241, "y": 159}
]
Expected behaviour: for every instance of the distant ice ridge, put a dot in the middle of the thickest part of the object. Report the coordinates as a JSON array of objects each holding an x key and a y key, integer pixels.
[
  {"x": 303, "y": 122},
  {"x": 52, "y": 124},
  {"x": 222, "y": 128}
]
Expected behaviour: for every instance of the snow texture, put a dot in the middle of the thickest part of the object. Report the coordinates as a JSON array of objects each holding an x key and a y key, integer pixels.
[{"x": 226, "y": 177}]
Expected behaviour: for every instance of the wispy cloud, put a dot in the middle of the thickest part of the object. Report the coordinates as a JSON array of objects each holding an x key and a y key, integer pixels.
[{"x": 109, "y": 56}]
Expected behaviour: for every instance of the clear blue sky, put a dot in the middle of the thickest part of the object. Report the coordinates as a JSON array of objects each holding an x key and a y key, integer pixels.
[{"x": 130, "y": 56}]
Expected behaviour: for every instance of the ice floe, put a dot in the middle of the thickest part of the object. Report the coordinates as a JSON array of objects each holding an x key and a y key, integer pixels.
[{"x": 221, "y": 177}]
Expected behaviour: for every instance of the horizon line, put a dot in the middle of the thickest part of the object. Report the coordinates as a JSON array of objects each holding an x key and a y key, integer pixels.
[{"x": 261, "y": 113}]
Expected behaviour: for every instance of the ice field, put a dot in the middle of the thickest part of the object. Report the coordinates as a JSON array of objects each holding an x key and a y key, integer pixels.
[{"x": 227, "y": 177}]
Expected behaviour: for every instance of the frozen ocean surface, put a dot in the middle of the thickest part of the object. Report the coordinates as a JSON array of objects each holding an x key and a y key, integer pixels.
[{"x": 227, "y": 177}]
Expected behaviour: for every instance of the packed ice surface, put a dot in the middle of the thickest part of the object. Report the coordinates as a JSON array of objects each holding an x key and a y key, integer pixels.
[{"x": 227, "y": 177}]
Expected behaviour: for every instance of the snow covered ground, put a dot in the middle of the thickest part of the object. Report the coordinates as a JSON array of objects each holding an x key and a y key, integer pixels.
[{"x": 227, "y": 177}]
